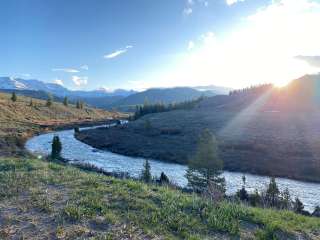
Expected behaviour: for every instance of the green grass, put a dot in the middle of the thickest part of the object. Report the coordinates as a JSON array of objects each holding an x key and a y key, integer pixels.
[{"x": 74, "y": 197}]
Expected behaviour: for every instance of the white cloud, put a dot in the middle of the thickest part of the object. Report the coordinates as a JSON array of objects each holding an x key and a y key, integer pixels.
[
  {"x": 80, "y": 81},
  {"x": 311, "y": 60},
  {"x": 190, "y": 45},
  {"x": 58, "y": 81},
  {"x": 118, "y": 52},
  {"x": 187, "y": 11},
  {"x": 231, "y": 2},
  {"x": 68, "y": 70},
  {"x": 84, "y": 67}
]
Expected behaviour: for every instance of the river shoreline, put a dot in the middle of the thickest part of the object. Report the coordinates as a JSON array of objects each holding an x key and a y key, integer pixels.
[
  {"x": 107, "y": 143},
  {"x": 80, "y": 153}
]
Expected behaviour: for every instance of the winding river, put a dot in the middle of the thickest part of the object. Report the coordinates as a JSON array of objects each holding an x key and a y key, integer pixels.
[{"x": 76, "y": 151}]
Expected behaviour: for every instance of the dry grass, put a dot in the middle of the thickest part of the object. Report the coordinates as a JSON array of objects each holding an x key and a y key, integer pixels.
[{"x": 19, "y": 120}]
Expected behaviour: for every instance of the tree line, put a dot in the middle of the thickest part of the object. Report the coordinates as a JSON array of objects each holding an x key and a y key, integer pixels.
[
  {"x": 148, "y": 108},
  {"x": 49, "y": 102},
  {"x": 253, "y": 90}
]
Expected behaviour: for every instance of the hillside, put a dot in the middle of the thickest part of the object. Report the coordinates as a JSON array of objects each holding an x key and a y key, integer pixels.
[
  {"x": 46, "y": 200},
  {"x": 121, "y": 99},
  {"x": 19, "y": 120},
  {"x": 164, "y": 95},
  {"x": 262, "y": 130}
]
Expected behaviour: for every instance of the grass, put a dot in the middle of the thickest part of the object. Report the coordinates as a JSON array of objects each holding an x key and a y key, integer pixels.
[
  {"x": 19, "y": 120},
  {"x": 70, "y": 203}
]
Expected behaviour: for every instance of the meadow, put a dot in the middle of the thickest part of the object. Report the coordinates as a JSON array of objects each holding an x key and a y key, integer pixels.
[{"x": 42, "y": 199}]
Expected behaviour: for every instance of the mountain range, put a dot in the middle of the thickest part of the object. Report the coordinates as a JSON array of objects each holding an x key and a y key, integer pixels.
[{"x": 121, "y": 99}]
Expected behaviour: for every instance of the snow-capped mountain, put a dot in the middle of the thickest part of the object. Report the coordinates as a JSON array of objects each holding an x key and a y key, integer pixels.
[
  {"x": 11, "y": 83},
  {"x": 32, "y": 84},
  {"x": 56, "y": 89}
]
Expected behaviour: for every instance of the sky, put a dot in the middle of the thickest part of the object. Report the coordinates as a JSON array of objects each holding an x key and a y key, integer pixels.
[{"x": 138, "y": 44}]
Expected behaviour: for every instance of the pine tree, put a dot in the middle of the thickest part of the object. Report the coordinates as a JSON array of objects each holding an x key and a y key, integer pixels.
[
  {"x": 272, "y": 194},
  {"x": 31, "y": 103},
  {"x": 242, "y": 193},
  {"x": 56, "y": 148},
  {"x": 49, "y": 101},
  {"x": 146, "y": 172},
  {"x": 205, "y": 167},
  {"x": 65, "y": 101},
  {"x": 76, "y": 130},
  {"x": 286, "y": 199},
  {"x": 298, "y": 206},
  {"x": 78, "y": 105},
  {"x": 164, "y": 179},
  {"x": 13, "y": 97}
]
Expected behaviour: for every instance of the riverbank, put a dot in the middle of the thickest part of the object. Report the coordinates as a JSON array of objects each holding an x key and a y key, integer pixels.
[
  {"x": 263, "y": 143},
  {"x": 68, "y": 203},
  {"x": 21, "y": 120}
]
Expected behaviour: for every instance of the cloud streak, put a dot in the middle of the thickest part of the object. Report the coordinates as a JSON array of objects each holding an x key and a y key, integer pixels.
[
  {"x": 67, "y": 70},
  {"x": 231, "y": 2},
  {"x": 84, "y": 67},
  {"x": 117, "y": 52}
]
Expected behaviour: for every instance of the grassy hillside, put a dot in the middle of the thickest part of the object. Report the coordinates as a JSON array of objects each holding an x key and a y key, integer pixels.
[
  {"x": 157, "y": 95},
  {"x": 19, "y": 120},
  {"x": 45, "y": 200},
  {"x": 264, "y": 130}
]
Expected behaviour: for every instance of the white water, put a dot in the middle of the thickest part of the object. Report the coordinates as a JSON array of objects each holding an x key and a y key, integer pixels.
[{"x": 76, "y": 151}]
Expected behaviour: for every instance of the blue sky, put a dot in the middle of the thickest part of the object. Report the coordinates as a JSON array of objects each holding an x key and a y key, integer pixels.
[{"x": 88, "y": 44}]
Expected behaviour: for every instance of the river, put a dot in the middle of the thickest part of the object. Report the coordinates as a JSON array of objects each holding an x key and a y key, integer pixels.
[{"x": 78, "y": 152}]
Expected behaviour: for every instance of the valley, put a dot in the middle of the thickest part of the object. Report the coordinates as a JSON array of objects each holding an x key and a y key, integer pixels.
[{"x": 262, "y": 132}]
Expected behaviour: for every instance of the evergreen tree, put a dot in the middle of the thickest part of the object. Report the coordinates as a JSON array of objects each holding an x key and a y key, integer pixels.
[
  {"x": 205, "y": 167},
  {"x": 13, "y": 97},
  {"x": 272, "y": 193},
  {"x": 242, "y": 193},
  {"x": 286, "y": 199},
  {"x": 56, "y": 148},
  {"x": 65, "y": 101},
  {"x": 164, "y": 179},
  {"x": 298, "y": 206},
  {"x": 49, "y": 101},
  {"x": 76, "y": 130},
  {"x": 146, "y": 172},
  {"x": 31, "y": 103}
]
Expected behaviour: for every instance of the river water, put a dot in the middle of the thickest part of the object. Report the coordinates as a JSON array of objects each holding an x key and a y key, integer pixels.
[{"x": 78, "y": 152}]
